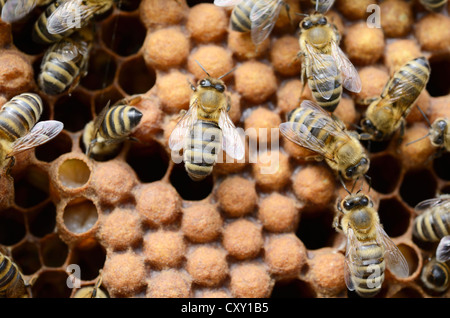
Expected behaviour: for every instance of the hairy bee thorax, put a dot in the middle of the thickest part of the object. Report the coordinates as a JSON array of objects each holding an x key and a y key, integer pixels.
[
  {"x": 319, "y": 32},
  {"x": 438, "y": 130}
]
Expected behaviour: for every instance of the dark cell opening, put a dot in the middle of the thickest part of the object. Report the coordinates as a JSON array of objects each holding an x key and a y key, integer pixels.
[
  {"x": 438, "y": 84},
  {"x": 150, "y": 162},
  {"x": 384, "y": 173},
  {"x": 51, "y": 284},
  {"x": 417, "y": 186},
  {"x": 110, "y": 95},
  {"x": 135, "y": 77},
  {"x": 73, "y": 111},
  {"x": 128, "y": 5},
  {"x": 192, "y": 3},
  {"x": 54, "y": 251},
  {"x": 293, "y": 289},
  {"x": 124, "y": 34},
  {"x": 12, "y": 227},
  {"x": 442, "y": 167},
  {"x": 90, "y": 259},
  {"x": 407, "y": 292},
  {"x": 26, "y": 256},
  {"x": 21, "y": 34},
  {"x": 394, "y": 217},
  {"x": 188, "y": 188},
  {"x": 375, "y": 146},
  {"x": 43, "y": 221},
  {"x": 32, "y": 188},
  {"x": 101, "y": 70},
  {"x": 317, "y": 231},
  {"x": 56, "y": 147}
]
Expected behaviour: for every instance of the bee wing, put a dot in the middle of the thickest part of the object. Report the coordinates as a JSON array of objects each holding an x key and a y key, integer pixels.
[
  {"x": 232, "y": 140},
  {"x": 433, "y": 202},
  {"x": 42, "y": 132},
  {"x": 324, "y": 71},
  {"x": 350, "y": 76},
  {"x": 350, "y": 258},
  {"x": 14, "y": 10},
  {"x": 176, "y": 139},
  {"x": 443, "y": 249},
  {"x": 395, "y": 260},
  {"x": 264, "y": 15},
  {"x": 324, "y": 5},
  {"x": 70, "y": 14},
  {"x": 226, "y": 3}
]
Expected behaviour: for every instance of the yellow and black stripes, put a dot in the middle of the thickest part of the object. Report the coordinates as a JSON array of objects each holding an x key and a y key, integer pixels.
[
  {"x": 119, "y": 121},
  {"x": 19, "y": 115},
  {"x": 432, "y": 225},
  {"x": 202, "y": 148},
  {"x": 435, "y": 276},
  {"x": 40, "y": 32},
  {"x": 240, "y": 17},
  {"x": 433, "y": 5},
  {"x": 327, "y": 85},
  {"x": 368, "y": 269},
  {"x": 11, "y": 281}
]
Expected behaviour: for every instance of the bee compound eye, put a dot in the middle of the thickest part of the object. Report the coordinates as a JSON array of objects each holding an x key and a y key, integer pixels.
[
  {"x": 347, "y": 205},
  {"x": 364, "y": 201},
  {"x": 323, "y": 21},
  {"x": 202, "y": 82},
  {"x": 219, "y": 87},
  {"x": 307, "y": 24}
]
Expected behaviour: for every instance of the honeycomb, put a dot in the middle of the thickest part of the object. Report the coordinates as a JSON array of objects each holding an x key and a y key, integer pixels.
[{"x": 239, "y": 233}]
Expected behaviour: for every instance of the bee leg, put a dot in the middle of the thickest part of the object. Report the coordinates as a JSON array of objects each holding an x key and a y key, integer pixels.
[
  {"x": 312, "y": 158},
  {"x": 91, "y": 145},
  {"x": 400, "y": 134},
  {"x": 12, "y": 161}
]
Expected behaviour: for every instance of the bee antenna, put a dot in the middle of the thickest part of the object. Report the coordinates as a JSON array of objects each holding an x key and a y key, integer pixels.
[
  {"x": 354, "y": 184},
  {"x": 203, "y": 68},
  {"x": 301, "y": 14},
  {"x": 423, "y": 137},
  {"x": 424, "y": 116},
  {"x": 360, "y": 189},
  {"x": 343, "y": 184},
  {"x": 227, "y": 72},
  {"x": 317, "y": 5},
  {"x": 369, "y": 181}
]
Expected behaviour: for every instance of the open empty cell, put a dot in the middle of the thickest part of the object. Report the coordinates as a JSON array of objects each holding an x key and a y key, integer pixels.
[
  {"x": 42, "y": 221},
  {"x": 417, "y": 186},
  {"x": 384, "y": 173},
  {"x": 32, "y": 188},
  {"x": 74, "y": 173},
  {"x": 438, "y": 84},
  {"x": 26, "y": 256},
  {"x": 135, "y": 77},
  {"x": 80, "y": 215},
  {"x": 394, "y": 217},
  {"x": 12, "y": 226},
  {"x": 56, "y": 147},
  {"x": 73, "y": 111},
  {"x": 187, "y": 188},
  {"x": 90, "y": 259},
  {"x": 149, "y": 163},
  {"x": 52, "y": 284},
  {"x": 315, "y": 231},
  {"x": 54, "y": 251},
  {"x": 101, "y": 70},
  {"x": 442, "y": 167}
]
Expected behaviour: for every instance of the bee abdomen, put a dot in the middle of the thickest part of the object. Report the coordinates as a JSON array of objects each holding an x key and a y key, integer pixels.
[
  {"x": 11, "y": 281},
  {"x": 432, "y": 225},
  {"x": 202, "y": 148},
  {"x": 19, "y": 115},
  {"x": 436, "y": 276},
  {"x": 368, "y": 270},
  {"x": 119, "y": 121},
  {"x": 322, "y": 87},
  {"x": 312, "y": 121},
  {"x": 240, "y": 17},
  {"x": 57, "y": 75},
  {"x": 433, "y": 5}
]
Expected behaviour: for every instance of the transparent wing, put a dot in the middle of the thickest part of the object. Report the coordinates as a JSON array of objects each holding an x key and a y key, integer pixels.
[
  {"x": 322, "y": 6},
  {"x": 71, "y": 14},
  {"x": 226, "y": 3},
  {"x": 14, "y": 10},
  {"x": 324, "y": 71},
  {"x": 263, "y": 16},
  {"x": 42, "y": 132},
  {"x": 232, "y": 140},
  {"x": 433, "y": 202},
  {"x": 443, "y": 249},
  {"x": 395, "y": 260},
  {"x": 350, "y": 76},
  {"x": 350, "y": 258},
  {"x": 176, "y": 139},
  {"x": 68, "y": 50}
]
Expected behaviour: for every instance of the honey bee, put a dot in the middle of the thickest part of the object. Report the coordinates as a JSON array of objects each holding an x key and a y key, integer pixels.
[
  {"x": 433, "y": 5},
  {"x": 311, "y": 127},
  {"x": 369, "y": 249},
  {"x": 19, "y": 130},
  {"x": 63, "y": 17},
  {"x": 443, "y": 249},
  {"x": 15, "y": 10},
  {"x": 435, "y": 276},
  {"x": 255, "y": 16},
  {"x": 433, "y": 220},
  {"x": 325, "y": 66},
  {"x": 92, "y": 291},
  {"x": 205, "y": 128},
  {"x": 12, "y": 284},
  {"x": 386, "y": 114},
  {"x": 65, "y": 63},
  {"x": 104, "y": 135}
]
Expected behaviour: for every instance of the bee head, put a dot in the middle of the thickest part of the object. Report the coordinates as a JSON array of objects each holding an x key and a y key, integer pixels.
[
  {"x": 357, "y": 169},
  {"x": 356, "y": 204},
  {"x": 369, "y": 127},
  {"x": 437, "y": 131},
  {"x": 212, "y": 83},
  {"x": 317, "y": 27}
]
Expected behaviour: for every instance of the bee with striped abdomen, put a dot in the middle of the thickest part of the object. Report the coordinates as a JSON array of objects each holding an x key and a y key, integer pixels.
[
  {"x": 311, "y": 127},
  {"x": 325, "y": 67},
  {"x": 65, "y": 63},
  {"x": 369, "y": 249},
  {"x": 20, "y": 129},
  {"x": 433, "y": 5},
  {"x": 255, "y": 16},
  {"x": 15, "y": 10},
  {"x": 103, "y": 136},
  {"x": 435, "y": 276},
  {"x": 433, "y": 220},
  {"x": 12, "y": 284},
  {"x": 387, "y": 113},
  {"x": 63, "y": 17},
  {"x": 205, "y": 128}
]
